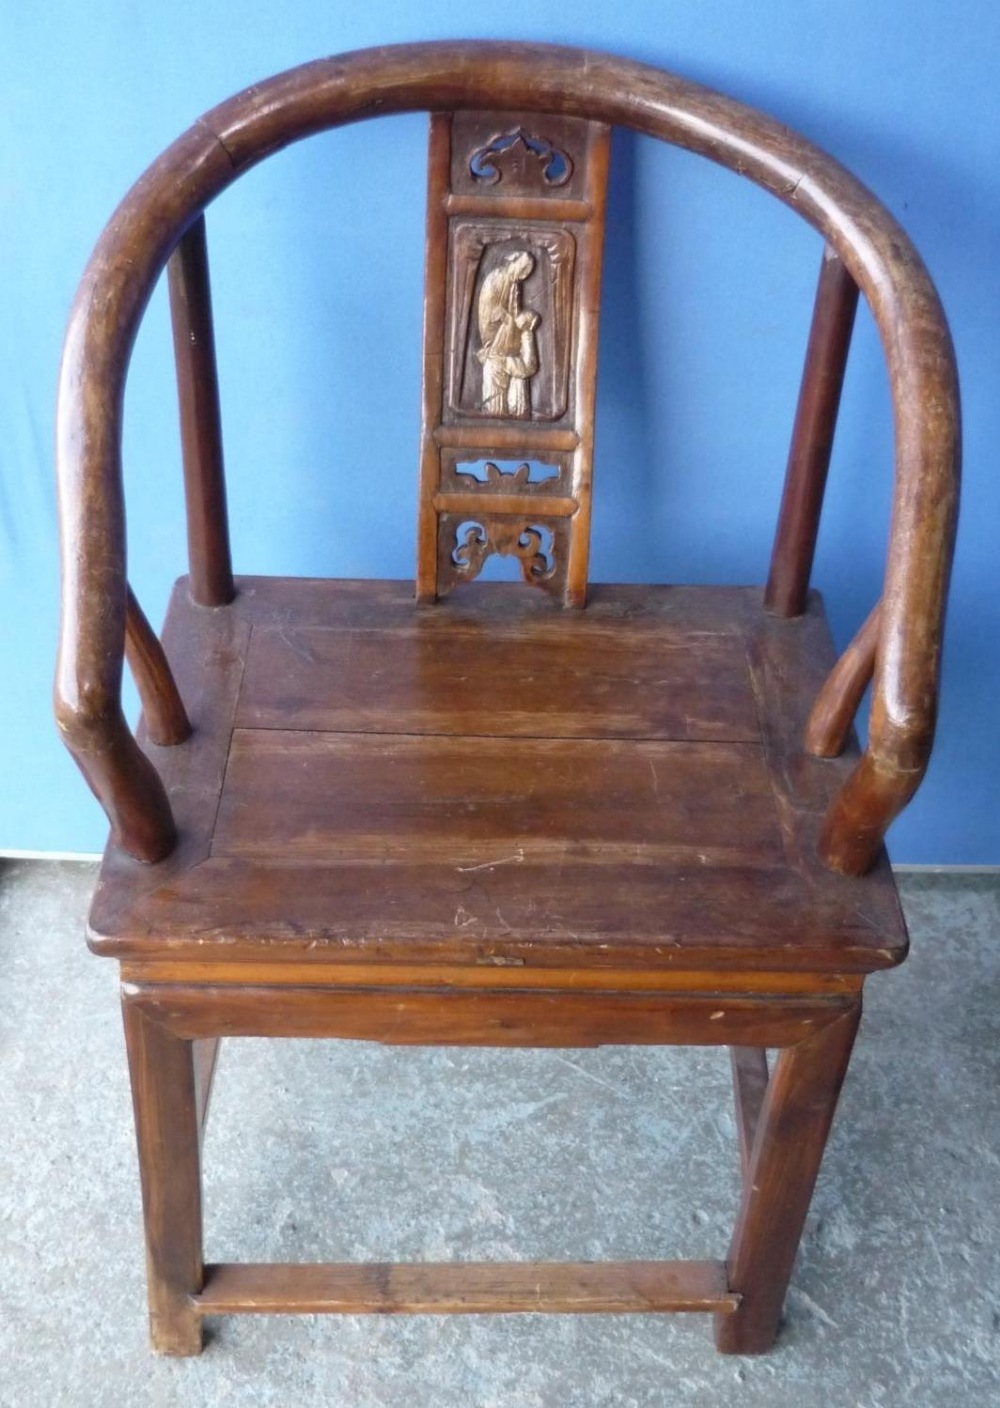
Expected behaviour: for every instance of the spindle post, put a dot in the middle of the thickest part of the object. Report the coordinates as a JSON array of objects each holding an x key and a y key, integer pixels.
[
  {"x": 201, "y": 430},
  {"x": 840, "y": 697},
  {"x": 812, "y": 438},
  {"x": 162, "y": 706}
]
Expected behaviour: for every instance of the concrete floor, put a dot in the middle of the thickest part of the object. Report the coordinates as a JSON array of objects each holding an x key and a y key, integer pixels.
[{"x": 340, "y": 1150}]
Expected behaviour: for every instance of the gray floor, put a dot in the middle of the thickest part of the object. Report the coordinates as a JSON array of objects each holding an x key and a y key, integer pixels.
[{"x": 336, "y": 1151}]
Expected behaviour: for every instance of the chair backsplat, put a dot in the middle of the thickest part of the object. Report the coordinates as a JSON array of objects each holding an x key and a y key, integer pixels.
[{"x": 515, "y": 231}]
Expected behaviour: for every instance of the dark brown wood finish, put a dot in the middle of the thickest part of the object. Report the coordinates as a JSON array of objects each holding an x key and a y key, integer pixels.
[
  {"x": 750, "y": 1086},
  {"x": 211, "y": 572},
  {"x": 874, "y": 250},
  {"x": 615, "y": 804},
  {"x": 168, "y": 1131},
  {"x": 812, "y": 438},
  {"x": 788, "y": 1145},
  {"x": 494, "y": 822},
  {"x": 206, "y": 1057},
  {"x": 468, "y": 1288},
  {"x": 501, "y": 1017},
  {"x": 163, "y": 709},
  {"x": 832, "y": 716}
]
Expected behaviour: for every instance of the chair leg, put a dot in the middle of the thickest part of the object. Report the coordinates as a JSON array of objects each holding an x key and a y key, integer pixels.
[
  {"x": 164, "y": 1098},
  {"x": 788, "y": 1145}
]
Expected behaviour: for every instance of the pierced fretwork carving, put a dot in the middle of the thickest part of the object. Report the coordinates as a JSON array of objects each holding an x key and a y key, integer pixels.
[
  {"x": 499, "y": 156},
  {"x": 509, "y": 540},
  {"x": 521, "y": 154},
  {"x": 515, "y": 223},
  {"x": 465, "y": 543},
  {"x": 505, "y": 481},
  {"x": 527, "y": 489}
]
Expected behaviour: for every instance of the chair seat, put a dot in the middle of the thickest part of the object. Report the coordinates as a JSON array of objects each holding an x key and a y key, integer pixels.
[{"x": 497, "y": 781}]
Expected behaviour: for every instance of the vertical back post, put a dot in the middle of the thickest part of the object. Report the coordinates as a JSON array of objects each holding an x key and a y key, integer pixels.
[
  {"x": 211, "y": 572},
  {"x": 515, "y": 234},
  {"x": 812, "y": 439}
]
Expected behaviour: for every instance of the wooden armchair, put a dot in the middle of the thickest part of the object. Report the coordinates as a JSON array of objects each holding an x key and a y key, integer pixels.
[{"x": 335, "y": 822}]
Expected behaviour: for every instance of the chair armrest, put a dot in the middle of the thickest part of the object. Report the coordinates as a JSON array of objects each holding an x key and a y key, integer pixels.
[
  {"x": 106, "y": 313},
  {"x": 927, "y": 417},
  {"x": 330, "y": 92}
]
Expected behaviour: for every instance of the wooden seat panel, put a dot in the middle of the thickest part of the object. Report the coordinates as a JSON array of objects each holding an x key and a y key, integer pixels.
[
  {"x": 482, "y": 678},
  {"x": 466, "y": 809},
  {"x": 466, "y": 801}
]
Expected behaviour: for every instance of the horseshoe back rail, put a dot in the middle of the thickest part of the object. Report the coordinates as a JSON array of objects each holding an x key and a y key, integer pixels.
[{"x": 161, "y": 217}]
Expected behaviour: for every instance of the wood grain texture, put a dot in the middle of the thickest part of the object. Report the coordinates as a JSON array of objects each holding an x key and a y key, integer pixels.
[
  {"x": 490, "y": 1017},
  {"x": 164, "y": 716},
  {"x": 481, "y": 801},
  {"x": 812, "y": 439},
  {"x": 591, "y": 264},
  {"x": 210, "y": 570},
  {"x": 484, "y": 221},
  {"x": 750, "y": 1077},
  {"x": 168, "y": 1134},
  {"x": 789, "y": 1140},
  {"x": 832, "y": 715},
  {"x": 518, "y": 680},
  {"x": 491, "y": 972},
  {"x": 432, "y": 380},
  {"x": 566, "y": 915},
  {"x": 206, "y": 1059},
  {"x": 539, "y": 79},
  {"x": 429, "y": 827},
  {"x": 496, "y": 823},
  {"x": 466, "y": 1288}
]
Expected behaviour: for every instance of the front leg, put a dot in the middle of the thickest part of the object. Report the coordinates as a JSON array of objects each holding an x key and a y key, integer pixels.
[
  {"x": 788, "y": 1146},
  {"x": 164, "y": 1098}
]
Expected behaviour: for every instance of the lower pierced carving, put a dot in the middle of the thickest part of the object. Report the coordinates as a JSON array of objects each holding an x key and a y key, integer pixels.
[
  {"x": 471, "y": 552},
  {"x": 465, "y": 545}
]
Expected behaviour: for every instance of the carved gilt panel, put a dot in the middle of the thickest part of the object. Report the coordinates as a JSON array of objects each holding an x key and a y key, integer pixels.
[
  {"x": 515, "y": 225},
  {"x": 510, "y": 324}
]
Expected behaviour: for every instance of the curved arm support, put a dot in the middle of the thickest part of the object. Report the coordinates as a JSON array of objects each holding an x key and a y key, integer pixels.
[
  {"x": 118, "y": 772},
  {"x": 538, "y": 78},
  {"x": 872, "y": 797},
  {"x": 837, "y": 702},
  {"x": 162, "y": 706}
]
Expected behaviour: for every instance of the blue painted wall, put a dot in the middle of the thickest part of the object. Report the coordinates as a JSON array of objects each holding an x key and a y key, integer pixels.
[{"x": 317, "y": 275}]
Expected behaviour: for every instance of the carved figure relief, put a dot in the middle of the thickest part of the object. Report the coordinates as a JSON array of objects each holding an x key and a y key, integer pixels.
[
  {"x": 509, "y": 351},
  {"x": 510, "y": 319}
]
